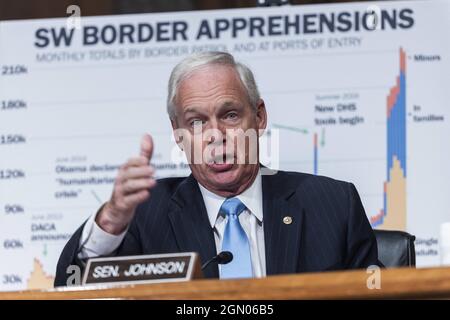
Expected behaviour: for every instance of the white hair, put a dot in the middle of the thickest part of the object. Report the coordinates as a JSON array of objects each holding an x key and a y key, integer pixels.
[{"x": 191, "y": 63}]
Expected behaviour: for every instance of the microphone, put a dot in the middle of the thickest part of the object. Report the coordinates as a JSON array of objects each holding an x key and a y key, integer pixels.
[{"x": 223, "y": 257}]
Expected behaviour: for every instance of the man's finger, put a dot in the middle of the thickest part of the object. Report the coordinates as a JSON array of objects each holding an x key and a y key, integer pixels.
[
  {"x": 146, "y": 146},
  {"x": 137, "y": 198},
  {"x": 133, "y": 185},
  {"x": 138, "y": 172},
  {"x": 136, "y": 162}
]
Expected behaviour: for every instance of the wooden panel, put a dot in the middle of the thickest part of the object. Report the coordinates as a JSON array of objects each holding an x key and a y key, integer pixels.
[{"x": 395, "y": 283}]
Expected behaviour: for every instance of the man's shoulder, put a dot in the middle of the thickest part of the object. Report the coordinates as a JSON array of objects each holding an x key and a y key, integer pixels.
[
  {"x": 168, "y": 185},
  {"x": 293, "y": 179},
  {"x": 160, "y": 195}
]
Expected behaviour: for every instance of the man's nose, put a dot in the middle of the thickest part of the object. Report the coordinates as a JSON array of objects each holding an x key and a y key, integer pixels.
[{"x": 220, "y": 130}]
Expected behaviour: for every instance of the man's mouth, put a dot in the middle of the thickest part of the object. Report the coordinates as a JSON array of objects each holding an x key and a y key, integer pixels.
[
  {"x": 221, "y": 164},
  {"x": 220, "y": 167}
]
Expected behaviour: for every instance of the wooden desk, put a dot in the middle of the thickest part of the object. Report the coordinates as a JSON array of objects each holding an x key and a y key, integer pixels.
[{"x": 395, "y": 283}]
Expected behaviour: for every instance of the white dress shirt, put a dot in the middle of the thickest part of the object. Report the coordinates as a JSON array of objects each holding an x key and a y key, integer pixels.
[
  {"x": 251, "y": 220},
  {"x": 96, "y": 242}
]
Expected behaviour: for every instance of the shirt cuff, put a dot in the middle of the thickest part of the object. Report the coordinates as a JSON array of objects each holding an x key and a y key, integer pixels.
[{"x": 96, "y": 242}]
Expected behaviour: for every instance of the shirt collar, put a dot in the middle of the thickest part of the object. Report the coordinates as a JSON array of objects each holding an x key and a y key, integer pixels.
[{"x": 251, "y": 198}]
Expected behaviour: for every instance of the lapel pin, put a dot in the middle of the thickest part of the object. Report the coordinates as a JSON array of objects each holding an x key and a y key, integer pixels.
[{"x": 287, "y": 220}]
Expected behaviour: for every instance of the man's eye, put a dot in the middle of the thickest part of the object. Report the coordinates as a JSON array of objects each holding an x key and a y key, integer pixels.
[
  {"x": 231, "y": 115},
  {"x": 196, "y": 122}
]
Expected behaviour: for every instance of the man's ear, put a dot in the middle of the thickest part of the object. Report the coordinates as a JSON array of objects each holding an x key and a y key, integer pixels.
[
  {"x": 261, "y": 116},
  {"x": 174, "y": 124},
  {"x": 176, "y": 134}
]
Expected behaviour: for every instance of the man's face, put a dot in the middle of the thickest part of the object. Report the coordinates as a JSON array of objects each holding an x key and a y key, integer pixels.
[{"x": 213, "y": 100}]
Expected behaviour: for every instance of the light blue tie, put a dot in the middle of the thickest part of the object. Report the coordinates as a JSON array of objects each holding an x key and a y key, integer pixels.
[{"x": 235, "y": 240}]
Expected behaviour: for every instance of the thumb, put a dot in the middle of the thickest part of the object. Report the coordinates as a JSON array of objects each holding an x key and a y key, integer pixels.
[{"x": 146, "y": 146}]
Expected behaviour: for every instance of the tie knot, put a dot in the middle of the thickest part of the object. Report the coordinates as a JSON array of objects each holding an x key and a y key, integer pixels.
[{"x": 232, "y": 206}]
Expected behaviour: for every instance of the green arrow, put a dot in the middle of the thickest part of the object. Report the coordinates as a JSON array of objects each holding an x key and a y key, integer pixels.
[{"x": 296, "y": 129}]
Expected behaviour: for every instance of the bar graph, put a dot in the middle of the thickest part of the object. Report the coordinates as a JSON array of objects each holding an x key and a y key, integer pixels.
[{"x": 393, "y": 214}]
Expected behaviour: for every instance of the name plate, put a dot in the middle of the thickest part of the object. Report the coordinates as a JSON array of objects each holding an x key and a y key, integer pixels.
[{"x": 143, "y": 269}]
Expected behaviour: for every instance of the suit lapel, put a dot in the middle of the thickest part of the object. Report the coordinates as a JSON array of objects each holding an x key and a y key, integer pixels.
[
  {"x": 189, "y": 220},
  {"x": 283, "y": 222}
]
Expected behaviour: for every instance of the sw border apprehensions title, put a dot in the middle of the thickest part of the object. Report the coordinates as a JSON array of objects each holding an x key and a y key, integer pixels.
[{"x": 252, "y": 26}]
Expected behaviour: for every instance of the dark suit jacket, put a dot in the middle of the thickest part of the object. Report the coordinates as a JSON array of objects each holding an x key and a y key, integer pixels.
[{"x": 329, "y": 229}]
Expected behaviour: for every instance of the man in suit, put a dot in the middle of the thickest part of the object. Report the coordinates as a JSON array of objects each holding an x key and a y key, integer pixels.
[{"x": 285, "y": 222}]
